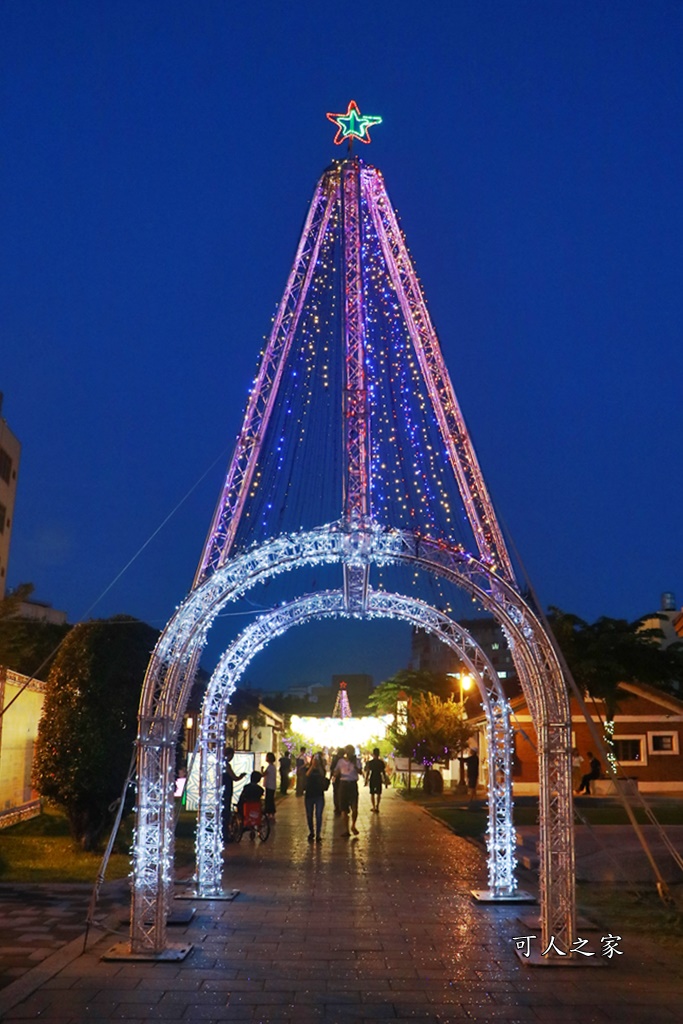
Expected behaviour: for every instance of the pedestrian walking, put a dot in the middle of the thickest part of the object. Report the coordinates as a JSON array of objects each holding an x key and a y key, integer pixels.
[
  {"x": 315, "y": 784},
  {"x": 335, "y": 780},
  {"x": 300, "y": 771},
  {"x": 375, "y": 777},
  {"x": 285, "y": 769},
  {"x": 348, "y": 773}
]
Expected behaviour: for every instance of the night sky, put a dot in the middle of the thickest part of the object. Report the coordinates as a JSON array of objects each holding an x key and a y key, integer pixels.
[{"x": 157, "y": 163}]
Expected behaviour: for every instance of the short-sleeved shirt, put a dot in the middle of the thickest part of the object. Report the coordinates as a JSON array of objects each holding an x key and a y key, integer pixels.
[
  {"x": 375, "y": 770},
  {"x": 348, "y": 770}
]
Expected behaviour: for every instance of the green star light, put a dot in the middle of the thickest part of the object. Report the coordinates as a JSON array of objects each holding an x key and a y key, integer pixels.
[{"x": 353, "y": 124}]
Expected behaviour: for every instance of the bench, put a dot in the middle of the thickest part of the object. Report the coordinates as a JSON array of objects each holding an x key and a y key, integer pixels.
[{"x": 611, "y": 786}]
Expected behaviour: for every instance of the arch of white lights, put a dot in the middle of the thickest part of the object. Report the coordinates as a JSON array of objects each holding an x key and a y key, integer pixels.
[
  {"x": 330, "y": 604},
  {"x": 172, "y": 668}
]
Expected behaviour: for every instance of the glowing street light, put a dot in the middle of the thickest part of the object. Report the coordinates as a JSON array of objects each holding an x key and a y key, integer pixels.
[{"x": 466, "y": 682}]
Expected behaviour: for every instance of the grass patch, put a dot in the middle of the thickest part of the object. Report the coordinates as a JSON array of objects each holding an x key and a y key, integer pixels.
[
  {"x": 42, "y": 850},
  {"x": 619, "y": 907},
  {"x": 472, "y": 820}
]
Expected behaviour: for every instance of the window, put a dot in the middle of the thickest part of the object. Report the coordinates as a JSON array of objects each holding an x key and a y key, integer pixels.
[
  {"x": 5, "y": 465},
  {"x": 3, "y": 514},
  {"x": 630, "y": 749},
  {"x": 495, "y": 647},
  {"x": 662, "y": 742}
]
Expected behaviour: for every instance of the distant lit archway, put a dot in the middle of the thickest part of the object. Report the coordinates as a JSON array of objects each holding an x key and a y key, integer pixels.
[{"x": 330, "y": 604}]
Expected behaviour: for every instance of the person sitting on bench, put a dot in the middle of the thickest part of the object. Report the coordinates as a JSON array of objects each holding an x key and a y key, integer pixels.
[{"x": 594, "y": 773}]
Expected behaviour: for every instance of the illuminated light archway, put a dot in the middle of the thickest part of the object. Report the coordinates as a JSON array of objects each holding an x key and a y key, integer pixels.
[
  {"x": 181, "y": 645},
  {"x": 330, "y": 604}
]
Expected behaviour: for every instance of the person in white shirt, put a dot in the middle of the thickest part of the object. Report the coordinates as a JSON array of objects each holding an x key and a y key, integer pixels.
[
  {"x": 347, "y": 772},
  {"x": 270, "y": 782}
]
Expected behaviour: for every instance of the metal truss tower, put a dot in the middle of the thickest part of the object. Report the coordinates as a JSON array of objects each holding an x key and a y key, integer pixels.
[{"x": 349, "y": 200}]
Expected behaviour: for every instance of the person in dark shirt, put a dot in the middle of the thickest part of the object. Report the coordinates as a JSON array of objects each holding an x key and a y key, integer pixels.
[
  {"x": 300, "y": 772},
  {"x": 252, "y": 793},
  {"x": 335, "y": 780},
  {"x": 285, "y": 769},
  {"x": 593, "y": 773},
  {"x": 314, "y": 796},
  {"x": 375, "y": 775},
  {"x": 229, "y": 778},
  {"x": 472, "y": 769}
]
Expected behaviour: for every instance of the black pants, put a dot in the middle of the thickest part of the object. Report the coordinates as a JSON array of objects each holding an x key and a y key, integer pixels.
[{"x": 586, "y": 783}]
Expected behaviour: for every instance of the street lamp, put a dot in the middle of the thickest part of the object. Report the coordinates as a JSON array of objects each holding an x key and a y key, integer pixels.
[
  {"x": 466, "y": 681},
  {"x": 245, "y": 727}
]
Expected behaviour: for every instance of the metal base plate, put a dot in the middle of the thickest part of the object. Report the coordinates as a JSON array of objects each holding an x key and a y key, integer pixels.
[
  {"x": 123, "y": 951},
  {"x": 490, "y": 896},
  {"x": 177, "y": 917},
  {"x": 192, "y": 894}
]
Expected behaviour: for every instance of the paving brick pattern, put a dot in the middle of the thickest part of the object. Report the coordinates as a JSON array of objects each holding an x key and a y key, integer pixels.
[
  {"x": 37, "y": 920},
  {"x": 374, "y": 928}
]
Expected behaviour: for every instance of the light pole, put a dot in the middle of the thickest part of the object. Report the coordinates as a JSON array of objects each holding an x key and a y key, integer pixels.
[
  {"x": 465, "y": 680},
  {"x": 245, "y": 728}
]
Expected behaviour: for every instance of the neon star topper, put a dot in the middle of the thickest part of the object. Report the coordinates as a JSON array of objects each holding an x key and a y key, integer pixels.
[{"x": 353, "y": 124}]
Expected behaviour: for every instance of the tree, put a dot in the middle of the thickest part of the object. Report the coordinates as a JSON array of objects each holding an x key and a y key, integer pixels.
[
  {"x": 607, "y": 652},
  {"x": 436, "y": 730},
  {"x": 88, "y": 728},
  {"x": 408, "y": 683},
  {"x": 602, "y": 654}
]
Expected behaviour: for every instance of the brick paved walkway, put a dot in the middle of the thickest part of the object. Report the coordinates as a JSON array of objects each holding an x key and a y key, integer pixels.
[{"x": 368, "y": 929}]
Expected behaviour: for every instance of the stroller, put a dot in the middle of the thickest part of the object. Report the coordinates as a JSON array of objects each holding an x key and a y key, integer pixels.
[{"x": 252, "y": 821}]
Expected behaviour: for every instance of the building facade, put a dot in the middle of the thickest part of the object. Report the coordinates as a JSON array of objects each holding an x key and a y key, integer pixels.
[
  {"x": 668, "y": 620},
  {"x": 428, "y": 654},
  {"x": 10, "y": 451},
  {"x": 647, "y": 740},
  {"x": 21, "y": 699}
]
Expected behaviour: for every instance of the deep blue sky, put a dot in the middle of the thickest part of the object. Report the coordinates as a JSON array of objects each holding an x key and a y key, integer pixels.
[{"x": 158, "y": 159}]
